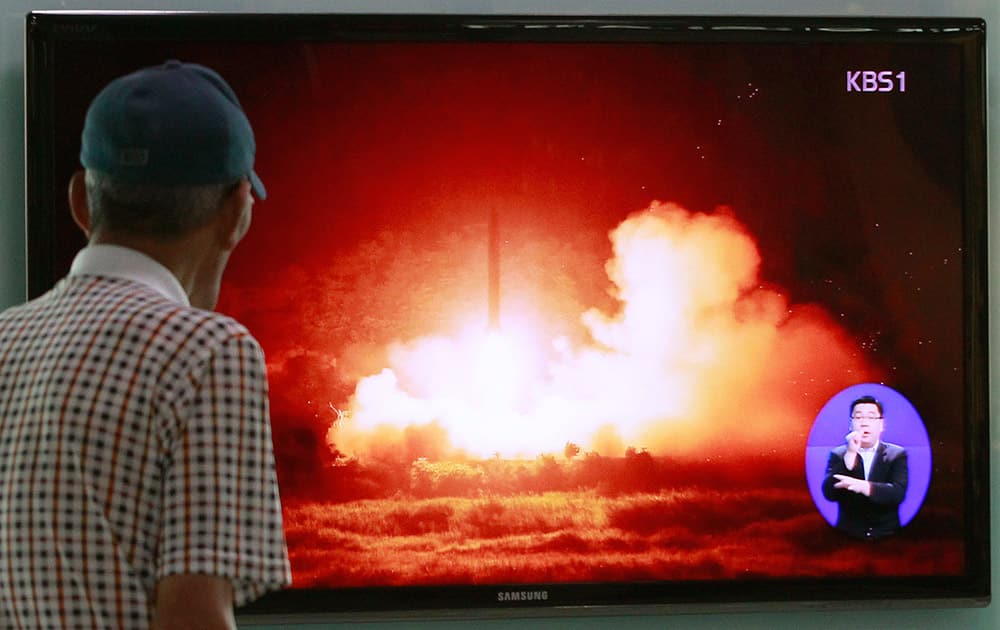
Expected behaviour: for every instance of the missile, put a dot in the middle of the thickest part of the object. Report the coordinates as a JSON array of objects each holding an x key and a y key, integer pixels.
[{"x": 493, "y": 298}]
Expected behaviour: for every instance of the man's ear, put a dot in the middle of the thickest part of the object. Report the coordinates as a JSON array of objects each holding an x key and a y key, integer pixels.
[
  {"x": 235, "y": 215},
  {"x": 78, "y": 205}
]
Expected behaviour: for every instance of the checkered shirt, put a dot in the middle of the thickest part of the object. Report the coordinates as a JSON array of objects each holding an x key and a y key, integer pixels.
[{"x": 134, "y": 444}]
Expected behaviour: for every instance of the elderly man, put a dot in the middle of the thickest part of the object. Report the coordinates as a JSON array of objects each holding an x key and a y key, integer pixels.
[{"x": 137, "y": 483}]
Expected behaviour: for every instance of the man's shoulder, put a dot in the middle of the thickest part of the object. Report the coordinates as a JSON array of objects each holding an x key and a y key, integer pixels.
[
  {"x": 163, "y": 318},
  {"x": 145, "y": 316},
  {"x": 200, "y": 333},
  {"x": 214, "y": 323},
  {"x": 161, "y": 314},
  {"x": 839, "y": 450},
  {"x": 190, "y": 340},
  {"x": 893, "y": 450},
  {"x": 143, "y": 334}
]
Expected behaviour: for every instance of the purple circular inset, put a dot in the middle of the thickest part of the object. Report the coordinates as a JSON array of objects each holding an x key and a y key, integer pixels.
[{"x": 903, "y": 426}]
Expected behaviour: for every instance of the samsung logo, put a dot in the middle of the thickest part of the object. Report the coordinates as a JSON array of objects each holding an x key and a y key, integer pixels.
[{"x": 522, "y": 596}]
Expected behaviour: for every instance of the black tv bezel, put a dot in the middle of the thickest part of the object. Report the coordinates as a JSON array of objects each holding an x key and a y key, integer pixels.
[{"x": 45, "y": 30}]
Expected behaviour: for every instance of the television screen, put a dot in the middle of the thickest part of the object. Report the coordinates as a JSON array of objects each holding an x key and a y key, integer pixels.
[{"x": 570, "y": 314}]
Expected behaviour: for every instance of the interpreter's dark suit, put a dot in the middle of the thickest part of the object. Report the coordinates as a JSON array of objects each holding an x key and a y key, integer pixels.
[{"x": 878, "y": 515}]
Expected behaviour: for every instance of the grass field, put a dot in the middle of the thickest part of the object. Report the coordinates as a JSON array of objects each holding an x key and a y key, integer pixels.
[{"x": 575, "y": 536}]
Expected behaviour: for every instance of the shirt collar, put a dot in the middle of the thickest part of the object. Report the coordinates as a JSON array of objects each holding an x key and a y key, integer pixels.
[
  {"x": 870, "y": 450},
  {"x": 122, "y": 262}
]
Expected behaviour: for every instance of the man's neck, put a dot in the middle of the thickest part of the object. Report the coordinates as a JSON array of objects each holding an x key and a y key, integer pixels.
[{"x": 192, "y": 259}]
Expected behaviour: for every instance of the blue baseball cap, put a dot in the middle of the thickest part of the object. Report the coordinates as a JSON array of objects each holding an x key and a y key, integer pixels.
[{"x": 173, "y": 124}]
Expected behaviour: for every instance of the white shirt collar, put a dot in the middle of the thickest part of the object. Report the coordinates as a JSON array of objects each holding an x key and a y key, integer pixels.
[
  {"x": 868, "y": 458},
  {"x": 122, "y": 262}
]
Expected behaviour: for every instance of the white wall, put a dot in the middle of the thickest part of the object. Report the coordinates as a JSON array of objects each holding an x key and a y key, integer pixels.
[{"x": 12, "y": 284}]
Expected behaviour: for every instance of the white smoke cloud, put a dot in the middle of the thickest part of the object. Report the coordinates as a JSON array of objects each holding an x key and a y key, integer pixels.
[{"x": 699, "y": 350}]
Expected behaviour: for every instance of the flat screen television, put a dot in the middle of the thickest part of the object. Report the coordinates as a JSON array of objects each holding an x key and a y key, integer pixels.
[{"x": 567, "y": 315}]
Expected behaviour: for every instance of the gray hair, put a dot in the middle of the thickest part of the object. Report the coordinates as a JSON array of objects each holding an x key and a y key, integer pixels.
[{"x": 151, "y": 210}]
